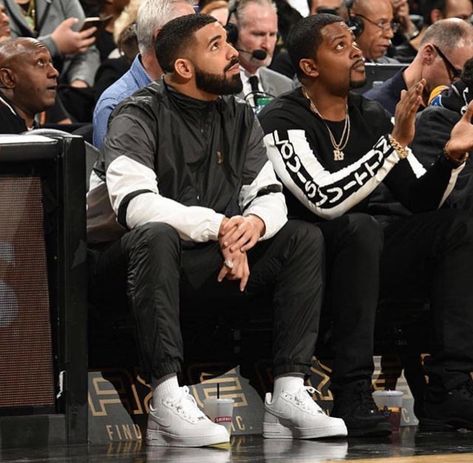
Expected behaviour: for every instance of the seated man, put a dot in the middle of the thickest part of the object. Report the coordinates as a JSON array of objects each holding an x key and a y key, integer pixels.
[
  {"x": 28, "y": 82},
  {"x": 257, "y": 24},
  {"x": 374, "y": 28},
  {"x": 196, "y": 203},
  {"x": 444, "y": 48},
  {"x": 433, "y": 127},
  {"x": 433, "y": 11},
  {"x": 332, "y": 149},
  {"x": 152, "y": 16},
  {"x": 54, "y": 23}
]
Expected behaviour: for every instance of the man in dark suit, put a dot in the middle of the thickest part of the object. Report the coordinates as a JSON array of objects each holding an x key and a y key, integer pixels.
[{"x": 257, "y": 24}]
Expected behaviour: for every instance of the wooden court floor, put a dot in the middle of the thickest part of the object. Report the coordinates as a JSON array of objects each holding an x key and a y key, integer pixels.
[{"x": 408, "y": 446}]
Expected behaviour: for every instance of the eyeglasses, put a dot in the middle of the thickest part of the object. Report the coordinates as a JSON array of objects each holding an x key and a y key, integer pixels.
[
  {"x": 453, "y": 72},
  {"x": 383, "y": 25}
]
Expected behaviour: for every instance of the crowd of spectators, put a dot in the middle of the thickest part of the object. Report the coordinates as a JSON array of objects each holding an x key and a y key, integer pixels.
[{"x": 113, "y": 69}]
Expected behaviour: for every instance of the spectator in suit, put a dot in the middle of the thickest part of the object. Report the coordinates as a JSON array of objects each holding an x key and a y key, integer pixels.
[
  {"x": 374, "y": 28},
  {"x": 445, "y": 47},
  {"x": 257, "y": 25}
]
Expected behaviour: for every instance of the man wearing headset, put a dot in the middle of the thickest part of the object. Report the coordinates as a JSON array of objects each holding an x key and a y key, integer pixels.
[
  {"x": 373, "y": 26},
  {"x": 253, "y": 29}
]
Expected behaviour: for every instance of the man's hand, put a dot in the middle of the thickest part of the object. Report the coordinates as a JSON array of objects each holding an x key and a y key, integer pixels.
[
  {"x": 79, "y": 83},
  {"x": 70, "y": 42},
  {"x": 461, "y": 137},
  {"x": 235, "y": 267},
  {"x": 405, "y": 115},
  {"x": 401, "y": 13},
  {"x": 241, "y": 233}
]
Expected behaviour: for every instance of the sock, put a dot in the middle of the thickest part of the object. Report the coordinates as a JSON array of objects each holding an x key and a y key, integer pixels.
[
  {"x": 167, "y": 386},
  {"x": 288, "y": 383}
]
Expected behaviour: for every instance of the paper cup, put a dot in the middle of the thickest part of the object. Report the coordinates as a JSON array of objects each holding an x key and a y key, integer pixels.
[
  {"x": 390, "y": 403},
  {"x": 220, "y": 411}
]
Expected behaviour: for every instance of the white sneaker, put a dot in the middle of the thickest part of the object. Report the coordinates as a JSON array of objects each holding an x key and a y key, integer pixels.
[
  {"x": 297, "y": 416},
  {"x": 178, "y": 422}
]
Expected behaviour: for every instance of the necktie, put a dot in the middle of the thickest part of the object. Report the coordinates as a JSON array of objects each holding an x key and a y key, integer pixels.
[{"x": 253, "y": 80}]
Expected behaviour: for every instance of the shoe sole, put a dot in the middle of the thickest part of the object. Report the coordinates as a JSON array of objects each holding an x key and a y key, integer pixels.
[
  {"x": 157, "y": 438},
  {"x": 432, "y": 425},
  {"x": 279, "y": 431}
]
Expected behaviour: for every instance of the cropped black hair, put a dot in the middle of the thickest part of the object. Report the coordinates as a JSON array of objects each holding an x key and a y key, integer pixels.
[
  {"x": 306, "y": 37},
  {"x": 176, "y": 36}
]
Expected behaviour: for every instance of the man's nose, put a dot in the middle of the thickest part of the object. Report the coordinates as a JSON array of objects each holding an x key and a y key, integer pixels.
[
  {"x": 388, "y": 32},
  {"x": 53, "y": 73}
]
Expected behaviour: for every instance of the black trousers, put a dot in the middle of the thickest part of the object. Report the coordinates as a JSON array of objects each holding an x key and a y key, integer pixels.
[
  {"x": 353, "y": 249},
  {"x": 157, "y": 266},
  {"x": 424, "y": 256},
  {"x": 430, "y": 255}
]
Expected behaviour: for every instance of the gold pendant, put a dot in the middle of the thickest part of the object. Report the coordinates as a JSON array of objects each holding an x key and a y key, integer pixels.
[{"x": 338, "y": 155}]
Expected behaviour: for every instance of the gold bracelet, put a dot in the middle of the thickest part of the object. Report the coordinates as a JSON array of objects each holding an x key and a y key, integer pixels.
[
  {"x": 400, "y": 150},
  {"x": 456, "y": 162}
]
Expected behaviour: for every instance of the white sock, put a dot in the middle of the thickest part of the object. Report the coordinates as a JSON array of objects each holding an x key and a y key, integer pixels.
[
  {"x": 167, "y": 386},
  {"x": 288, "y": 383}
]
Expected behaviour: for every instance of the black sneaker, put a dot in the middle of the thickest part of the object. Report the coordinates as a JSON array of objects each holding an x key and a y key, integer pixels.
[
  {"x": 452, "y": 411},
  {"x": 355, "y": 405}
]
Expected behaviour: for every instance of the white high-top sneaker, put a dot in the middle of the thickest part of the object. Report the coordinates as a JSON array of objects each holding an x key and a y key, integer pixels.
[
  {"x": 297, "y": 416},
  {"x": 178, "y": 422}
]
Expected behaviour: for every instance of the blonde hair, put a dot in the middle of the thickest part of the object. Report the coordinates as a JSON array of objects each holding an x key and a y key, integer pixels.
[{"x": 127, "y": 17}]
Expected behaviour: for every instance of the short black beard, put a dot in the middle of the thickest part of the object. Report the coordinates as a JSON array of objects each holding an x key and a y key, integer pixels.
[{"x": 218, "y": 84}]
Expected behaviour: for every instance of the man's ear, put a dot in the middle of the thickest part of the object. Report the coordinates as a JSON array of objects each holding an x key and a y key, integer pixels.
[
  {"x": 428, "y": 54},
  {"x": 184, "y": 68},
  {"x": 308, "y": 67},
  {"x": 7, "y": 78}
]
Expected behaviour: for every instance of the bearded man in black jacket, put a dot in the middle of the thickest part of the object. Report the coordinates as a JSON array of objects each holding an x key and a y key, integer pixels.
[
  {"x": 187, "y": 202},
  {"x": 332, "y": 149}
]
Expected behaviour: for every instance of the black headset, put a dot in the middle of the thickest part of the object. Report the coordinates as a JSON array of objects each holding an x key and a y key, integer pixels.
[
  {"x": 355, "y": 23},
  {"x": 232, "y": 28}
]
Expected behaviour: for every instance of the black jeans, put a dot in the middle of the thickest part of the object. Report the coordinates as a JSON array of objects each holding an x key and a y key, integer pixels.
[
  {"x": 353, "y": 250},
  {"x": 156, "y": 266},
  {"x": 430, "y": 255}
]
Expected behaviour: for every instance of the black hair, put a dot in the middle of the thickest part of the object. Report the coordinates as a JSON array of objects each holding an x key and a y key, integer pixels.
[
  {"x": 177, "y": 36},
  {"x": 306, "y": 37}
]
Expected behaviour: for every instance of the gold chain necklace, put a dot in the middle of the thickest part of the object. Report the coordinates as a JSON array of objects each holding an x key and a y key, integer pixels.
[{"x": 338, "y": 154}]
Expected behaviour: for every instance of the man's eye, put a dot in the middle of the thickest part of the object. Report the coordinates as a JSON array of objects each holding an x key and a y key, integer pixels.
[
  {"x": 215, "y": 46},
  {"x": 41, "y": 63},
  {"x": 340, "y": 46}
]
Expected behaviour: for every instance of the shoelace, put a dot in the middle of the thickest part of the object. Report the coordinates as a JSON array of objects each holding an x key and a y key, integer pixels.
[
  {"x": 305, "y": 400},
  {"x": 186, "y": 406}
]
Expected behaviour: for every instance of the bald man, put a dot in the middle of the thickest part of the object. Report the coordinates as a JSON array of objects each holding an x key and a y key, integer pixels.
[
  {"x": 376, "y": 19},
  {"x": 444, "y": 49},
  {"x": 28, "y": 83}
]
